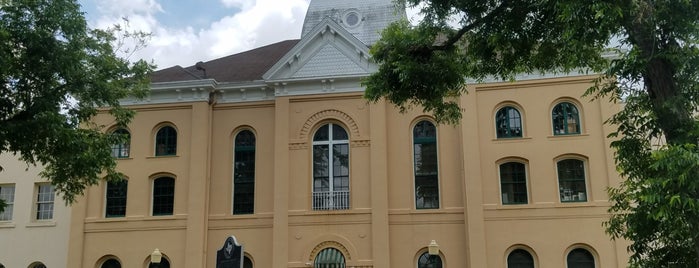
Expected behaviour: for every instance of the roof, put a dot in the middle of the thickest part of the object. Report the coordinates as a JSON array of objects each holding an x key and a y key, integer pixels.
[{"x": 245, "y": 66}]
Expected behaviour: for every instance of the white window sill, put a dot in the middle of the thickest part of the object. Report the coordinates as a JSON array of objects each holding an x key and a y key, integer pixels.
[{"x": 48, "y": 223}]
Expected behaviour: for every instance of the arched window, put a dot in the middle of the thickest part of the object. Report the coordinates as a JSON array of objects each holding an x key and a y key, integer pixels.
[
  {"x": 163, "y": 196},
  {"x": 247, "y": 263},
  {"x": 429, "y": 261},
  {"x": 520, "y": 258},
  {"x": 425, "y": 165},
  {"x": 116, "y": 198},
  {"x": 111, "y": 263},
  {"x": 244, "y": 173},
  {"x": 164, "y": 263},
  {"x": 37, "y": 265},
  {"x": 566, "y": 119},
  {"x": 329, "y": 258},
  {"x": 331, "y": 189},
  {"x": 513, "y": 183},
  {"x": 571, "y": 180},
  {"x": 580, "y": 258},
  {"x": 508, "y": 123},
  {"x": 166, "y": 141},
  {"x": 120, "y": 149}
]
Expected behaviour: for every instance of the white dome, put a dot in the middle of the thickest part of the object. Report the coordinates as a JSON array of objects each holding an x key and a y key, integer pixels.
[{"x": 363, "y": 18}]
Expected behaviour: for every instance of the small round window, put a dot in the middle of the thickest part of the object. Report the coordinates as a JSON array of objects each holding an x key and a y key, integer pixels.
[{"x": 352, "y": 19}]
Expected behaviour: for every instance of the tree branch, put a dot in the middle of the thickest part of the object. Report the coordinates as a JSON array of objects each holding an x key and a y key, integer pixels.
[{"x": 455, "y": 38}]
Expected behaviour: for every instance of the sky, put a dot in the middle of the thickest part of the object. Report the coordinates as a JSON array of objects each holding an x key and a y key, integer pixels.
[{"x": 186, "y": 31}]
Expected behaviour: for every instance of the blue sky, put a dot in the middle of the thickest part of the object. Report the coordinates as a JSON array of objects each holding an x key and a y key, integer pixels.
[
  {"x": 179, "y": 14},
  {"x": 187, "y": 31}
]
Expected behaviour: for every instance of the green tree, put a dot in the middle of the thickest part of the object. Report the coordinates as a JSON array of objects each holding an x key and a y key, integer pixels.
[
  {"x": 654, "y": 69},
  {"x": 55, "y": 73}
]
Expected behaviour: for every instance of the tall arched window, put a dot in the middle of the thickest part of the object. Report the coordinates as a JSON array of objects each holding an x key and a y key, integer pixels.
[
  {"x": 429, "y": 261},
  {"x": 425, "y": 165},
  {"x": 513, "y": 183},
  {"x": 244, "y": 173},
  {"x": 121, "y": 148},
  {"x": 37, "y": 265},
  {"x": 329, "y": 258},
  {"x": 163, "y": 196},
  {"x": 331, "y": 168},
  {"x": 166, "y": 141},
  {"x": 520, "y": 258},
  {"x": 571, "y": 180},
  {"x": 116, "y": 198},
  {"x": 566, "y": 119},
  {"x": 111, "y": 263},
  {"x": 508, "y": 123},
  {"x": 580, "y": 258}
]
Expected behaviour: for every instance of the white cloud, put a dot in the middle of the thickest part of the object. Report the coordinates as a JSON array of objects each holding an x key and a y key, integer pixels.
[{"x": 258, "y": 23}]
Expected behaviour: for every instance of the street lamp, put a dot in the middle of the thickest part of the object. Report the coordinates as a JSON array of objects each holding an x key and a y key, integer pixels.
[
  {"x": 433, "y": 248},
  {"x": 156, "y": 257}
]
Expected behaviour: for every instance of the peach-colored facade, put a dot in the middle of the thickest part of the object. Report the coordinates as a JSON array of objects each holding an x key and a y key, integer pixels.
[
  {"x": 382, "y": 228},
  {"x": 377, "y": 213}
]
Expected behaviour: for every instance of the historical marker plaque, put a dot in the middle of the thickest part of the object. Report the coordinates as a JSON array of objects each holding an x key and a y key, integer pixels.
[{"x": 231, "y": 255}]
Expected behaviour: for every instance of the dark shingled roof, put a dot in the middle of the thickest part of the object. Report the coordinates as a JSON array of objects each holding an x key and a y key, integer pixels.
[{"x": 245, "y": 66}]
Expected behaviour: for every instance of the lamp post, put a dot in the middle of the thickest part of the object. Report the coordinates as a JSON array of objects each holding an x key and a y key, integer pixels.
[
  {"x": 156, "y": 257},
  {"x": 433, "y": 248}
]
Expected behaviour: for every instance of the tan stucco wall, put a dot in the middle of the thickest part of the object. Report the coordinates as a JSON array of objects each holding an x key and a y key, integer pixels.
[
  {"x": 25, "y": 240},
  {"x": 382, "y": 228}
]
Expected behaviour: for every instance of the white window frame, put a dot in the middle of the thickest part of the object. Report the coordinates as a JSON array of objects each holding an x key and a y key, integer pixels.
[
  {"x": 331, "y": 181},
  {"x": 8, "y": 203},
  {"x": 38, "y": 202}
]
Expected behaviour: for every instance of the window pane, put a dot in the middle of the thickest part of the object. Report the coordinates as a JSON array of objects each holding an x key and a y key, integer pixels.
[
  {"x": 163, "y": 196},
  {"x": 44, "y": 203},
  {"x": 329, "y": 258},
  {"x": 7, "y": 194},
  {"x": 111, "y": 263},
  {"x": 513, "y": 183},
  {"x": 164, "y": 263},
  {"x": 580, "y": 258},
  {"x": 116, "y": 199},
  {"x": 571, "y": 180},
  {"x": 244, "y": 173},
  {"x": 508, "y": 123},
  {"x": 339, "y": 133},
  {"x": 520, "y": 258},
  {"x": 166, "y": 141},
  {"x": 247, "y": 263},
  {"x": 121, "y": 148},
  {"x": 425, "y": 165},
  {"x": 322, "y": 134},
  {"x": 565, "y": 119},
  {"x": 429, "y": 261}
]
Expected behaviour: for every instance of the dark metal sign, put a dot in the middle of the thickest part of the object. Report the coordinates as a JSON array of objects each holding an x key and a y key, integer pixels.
[{"x": 231, "y": 255}]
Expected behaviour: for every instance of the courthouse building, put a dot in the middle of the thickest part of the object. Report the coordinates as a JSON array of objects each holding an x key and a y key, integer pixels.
[{"x": 277, "y": 147}]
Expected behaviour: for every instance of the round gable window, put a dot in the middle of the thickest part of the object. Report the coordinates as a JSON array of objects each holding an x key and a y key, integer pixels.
[{"x": 352, "y": 18}]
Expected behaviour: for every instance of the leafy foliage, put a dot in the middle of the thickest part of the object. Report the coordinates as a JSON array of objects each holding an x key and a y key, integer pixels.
[
  {"x": 653, "y": 69},
  {"x": 55, "y": 74}
]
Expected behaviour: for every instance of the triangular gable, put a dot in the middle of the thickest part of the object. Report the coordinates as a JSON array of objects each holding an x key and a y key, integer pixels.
[{"x": 327, "y": 51}]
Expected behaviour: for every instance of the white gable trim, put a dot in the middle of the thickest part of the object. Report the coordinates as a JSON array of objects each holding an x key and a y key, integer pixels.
[{"x": 327, "y": 33}]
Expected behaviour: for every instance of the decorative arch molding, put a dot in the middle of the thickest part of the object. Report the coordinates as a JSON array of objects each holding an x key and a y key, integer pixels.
[
  {"x": 329, "y": 244},
  {"x": 314, "y": 119}
]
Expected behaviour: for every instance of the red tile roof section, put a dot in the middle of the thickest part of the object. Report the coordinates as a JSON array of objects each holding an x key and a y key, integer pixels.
[{"x": 245, "y": 66}]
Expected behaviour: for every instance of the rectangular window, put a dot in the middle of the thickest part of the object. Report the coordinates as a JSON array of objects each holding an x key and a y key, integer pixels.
[
  {"x": 7, "y": 194},
  {"x": 116, "y": 199},
  {"x": 44, "y": 202}
]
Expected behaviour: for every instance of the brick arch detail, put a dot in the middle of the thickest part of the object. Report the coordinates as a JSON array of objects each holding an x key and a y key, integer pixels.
[
  {"x": 329, "y": 244},
  {"x": 329, "y": 114}
]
